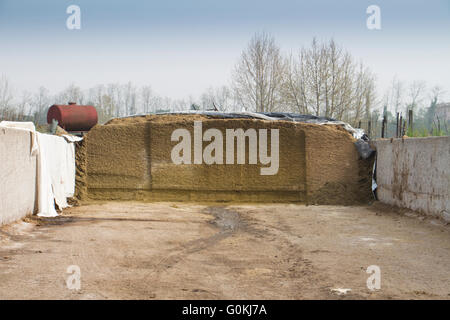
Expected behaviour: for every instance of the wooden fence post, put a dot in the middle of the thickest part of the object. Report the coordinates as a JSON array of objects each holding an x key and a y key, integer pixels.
[
  {"x": 410, "y": 120},
  {"x": 396, "y": 128}
]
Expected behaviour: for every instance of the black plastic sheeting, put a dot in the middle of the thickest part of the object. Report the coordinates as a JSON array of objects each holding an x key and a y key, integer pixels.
[
  {"x": 364, "y": 149},
  {"x": 287, "y": 116},
  {"x": 296, "y": 117}
]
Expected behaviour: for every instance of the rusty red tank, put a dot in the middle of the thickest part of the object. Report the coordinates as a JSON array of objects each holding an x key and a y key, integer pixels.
[{"x": 73, "y": 117}]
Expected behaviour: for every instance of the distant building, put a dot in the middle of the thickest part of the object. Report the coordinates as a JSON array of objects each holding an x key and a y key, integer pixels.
[{"x": 443, "y": 112}]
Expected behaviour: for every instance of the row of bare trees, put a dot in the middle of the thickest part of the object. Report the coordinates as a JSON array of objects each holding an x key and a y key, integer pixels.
[
  {"x": 401, "y": 97},
  {"x": 112, "y": 100},
  {"x": 322, "y": 79}
]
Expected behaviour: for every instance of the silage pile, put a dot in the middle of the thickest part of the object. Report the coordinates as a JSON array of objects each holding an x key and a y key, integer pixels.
[{"x": 129, "y": 159}]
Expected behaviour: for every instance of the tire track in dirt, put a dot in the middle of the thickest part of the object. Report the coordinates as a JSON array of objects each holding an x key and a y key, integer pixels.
[{"x": 227, "y": 222}]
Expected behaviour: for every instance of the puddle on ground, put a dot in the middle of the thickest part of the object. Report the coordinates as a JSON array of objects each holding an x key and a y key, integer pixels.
[{"x": 227, "y": 220}]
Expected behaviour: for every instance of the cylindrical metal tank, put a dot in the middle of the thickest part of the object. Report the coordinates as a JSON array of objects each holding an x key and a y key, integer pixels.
[{"x": 73, "y": 117}]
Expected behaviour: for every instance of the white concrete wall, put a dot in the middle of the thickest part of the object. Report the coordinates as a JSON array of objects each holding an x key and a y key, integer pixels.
[
  {"x": 17, "y": 175},
  {"x": 415, "y": 173}
]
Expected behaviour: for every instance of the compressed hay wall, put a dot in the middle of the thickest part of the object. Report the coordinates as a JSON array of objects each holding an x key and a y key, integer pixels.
[
  {"x": 118, "y": 157},
  {"x": 414, "y": 173},
  {"x": 335, "y": 172},
  {"x": 17, "y": 175},
  {"x": 131, "y": 159},
  {"x": 218, "y": 180}
]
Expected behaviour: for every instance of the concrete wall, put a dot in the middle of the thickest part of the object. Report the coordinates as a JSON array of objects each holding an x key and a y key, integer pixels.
[
  {"x": 17, "y": 175},
  {"x": 415, "y": 173},
  {"x": 131, "y": 160}
]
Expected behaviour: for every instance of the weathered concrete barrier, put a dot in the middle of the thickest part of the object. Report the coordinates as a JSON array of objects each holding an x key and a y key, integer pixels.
[
  {"x": 17, "y": 175},
  {"x": 131, "y": 159},
  {"x": 415, "y": 173},
  {"x": 37, "y": 171}
]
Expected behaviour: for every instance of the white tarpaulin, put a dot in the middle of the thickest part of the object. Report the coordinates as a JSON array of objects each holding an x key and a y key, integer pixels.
[{"x": 55, "y": 168}]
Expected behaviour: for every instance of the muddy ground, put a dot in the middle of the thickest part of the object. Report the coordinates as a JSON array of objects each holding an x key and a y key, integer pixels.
[{"x": 133, "y": 250}]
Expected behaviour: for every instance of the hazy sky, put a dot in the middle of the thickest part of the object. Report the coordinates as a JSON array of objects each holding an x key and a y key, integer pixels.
[{"x": 183, "y": 47}]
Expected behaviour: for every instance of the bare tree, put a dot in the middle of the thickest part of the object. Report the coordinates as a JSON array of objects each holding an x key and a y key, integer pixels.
[
  {"x": 146, "y": 98},
  {"x": 100, "y": 96},
  {"x": 219, "y": 99},
  {"x": 257, "y": 77},
  {"x": 294, "y": 86},
  {"x": 436, "y": 93},
  {"x": 111, "y": 102},
  {"x": 24, "y": 106},
  {"x": 157, "y": 104},
  {"x": 117, "y": 98},
  {"x": 96, "y": 96},
  {"x": 72, "y": 93},
  {"x": 396, "y": 95},
  {"x": 363, "y": 96},
  {"x": 6, "y": 96},
  {"x": 415, "y": 92},
  {"x": 41, "y": 101},
  {"x": 129, "y": 95},
  {"x": 325, "y": 81}
]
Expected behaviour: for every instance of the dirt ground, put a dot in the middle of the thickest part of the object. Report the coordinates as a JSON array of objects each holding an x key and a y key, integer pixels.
[{"x": 135, "y": 250}]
